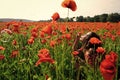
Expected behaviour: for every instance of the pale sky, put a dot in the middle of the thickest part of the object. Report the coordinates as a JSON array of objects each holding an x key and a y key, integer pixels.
[{"x": 43, "y": 9}]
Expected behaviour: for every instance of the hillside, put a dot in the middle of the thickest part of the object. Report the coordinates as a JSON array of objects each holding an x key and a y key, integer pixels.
[{"x": 12, "y": 19}]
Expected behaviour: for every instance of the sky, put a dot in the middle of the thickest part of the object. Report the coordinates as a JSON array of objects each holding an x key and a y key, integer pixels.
[{"x": 44, "y": 9}]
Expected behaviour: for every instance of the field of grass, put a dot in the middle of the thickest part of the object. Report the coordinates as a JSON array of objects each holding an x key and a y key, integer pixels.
[{"x": 43, "y": 50}]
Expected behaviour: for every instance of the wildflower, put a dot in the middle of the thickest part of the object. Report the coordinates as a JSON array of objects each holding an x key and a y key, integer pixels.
[
  {"x": 52, "y": 43},
  {"x": 108, "y": 67},
  {"x": 34, "y": 34},
  {"x": 34, "y": 29},
  {"x": 2, "y": 48},
  {"x": 14, "y": 42},
  {"x": 2, "y": 57},
  {"x": 58, "y": 40},
  {"x": 14, "y": 53},
  {"x": 54, "y": 33},
  {"x": 75, "y": 53},
  {"x": 55, "y": 16},
  {"x": 94, "y": 40},
  {"x": 15, "y": 24},
  {"x": 47, "y": 29},
  {"x": 118, "y": 33},
  {"x": 69, "y": 4},
  {"x": 112, "y": 57},
  {"x": 44, "y": 56},
  {"x": 68, "y": 36},
  {"x": 113, "y": 37},
  {"x": 48, "y": 37},
  {"x": 8, "y": 24},
  {"x": 30, "y": 41},
  {"x": 16, "y": 27},
  {"x": 100, "y": 50},
  {"x": 43, "y": 41},
  {"x": 63, "y": 29},
  {"x": 42, "y": 34}
]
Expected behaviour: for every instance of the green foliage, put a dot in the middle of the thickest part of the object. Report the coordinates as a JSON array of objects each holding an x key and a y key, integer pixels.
[{"x": 23, "y": 66}]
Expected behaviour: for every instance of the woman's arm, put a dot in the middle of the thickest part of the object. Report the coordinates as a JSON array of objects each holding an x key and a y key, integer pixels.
[{"x": 76, "y": 42}]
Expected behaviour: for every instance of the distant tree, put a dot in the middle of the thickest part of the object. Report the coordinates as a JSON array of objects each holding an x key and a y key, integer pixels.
[
  {"x": 113, "y": 17},
  {"x": 92, "y": 19},
  {"x": 110, "y": 16},
  {"x": 61, "y": 20},
  {"x": 96, "y": 18},
  {"x": 84, "y": 19},
  {"x": 88, "y": 18},
  {"x": 103, "y": 17},
  {"x": 71, "y": 19},
  {"x": 79, "y": 19}
]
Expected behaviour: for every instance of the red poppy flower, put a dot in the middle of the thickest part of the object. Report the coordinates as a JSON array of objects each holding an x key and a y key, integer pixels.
[
  {"x": 68, "y": 36},
  {"x": 2, "y": 48},
  {"x": 42, "y": 34},
  {"x": 48, "y": 37},
  {"x": 108, "y": 70},
  {"x": 14, "y": 53},
  {"x": 94, "y": 40},
  {"x": 47, "y": 29},
  {"x": 43, "y": 51},
  {"x": 52, "y": 43},
  {"x": 15, "y": 24},
  {"x": 75, "y": 53},
  {"x": 113, "y": 37},
  {"x": 2, "y": 57},
  {"x": 54, "y": 33},
  {"x": 30, "y": 41},
  {"x": 63, "y": 29},
  {"x": 112, "y": 57},
  {"x": 43, "y": 41},
  {"x": 55, "y": 16},
  {"x": 16, "y": 27},
  {"x": 44, "y": 56},
  {"x": 34, "y": 34},
  {"x": 118, "y": 33},
  {"x": 34, "y": 29},
  {"x": 108, "y": 66},
  {"x": 100, "y": 50},
  {"x": 58, "y": 40},
  {"x": 69, "y": 4},
  {"x": 14, "y": 42}
]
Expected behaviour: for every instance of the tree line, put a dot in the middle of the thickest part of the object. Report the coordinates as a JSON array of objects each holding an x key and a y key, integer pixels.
[{"x": 112, "y": 17}]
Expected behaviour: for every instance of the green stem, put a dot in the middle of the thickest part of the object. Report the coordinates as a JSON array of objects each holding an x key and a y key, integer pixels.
[
  {"x": 78, "y": 75},
  {"x": 68, "y": 15},
  {"x": 56, "y": 64}
]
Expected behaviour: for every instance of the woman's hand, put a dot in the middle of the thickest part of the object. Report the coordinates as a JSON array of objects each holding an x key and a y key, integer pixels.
[{"x": 75, "y": 44}]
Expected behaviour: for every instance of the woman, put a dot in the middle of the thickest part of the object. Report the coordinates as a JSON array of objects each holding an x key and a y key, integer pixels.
[{"x": 86, "y": 48}]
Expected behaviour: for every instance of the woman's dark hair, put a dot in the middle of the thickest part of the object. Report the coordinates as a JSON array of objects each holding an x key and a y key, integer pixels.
[{"x": 85, "y": 42}]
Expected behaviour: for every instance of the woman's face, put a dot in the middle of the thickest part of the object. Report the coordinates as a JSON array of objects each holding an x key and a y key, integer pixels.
[{"x": 84, "y": 36}]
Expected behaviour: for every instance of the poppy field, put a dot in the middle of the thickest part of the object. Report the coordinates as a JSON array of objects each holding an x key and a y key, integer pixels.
[{"x": 43, "y": 50}]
